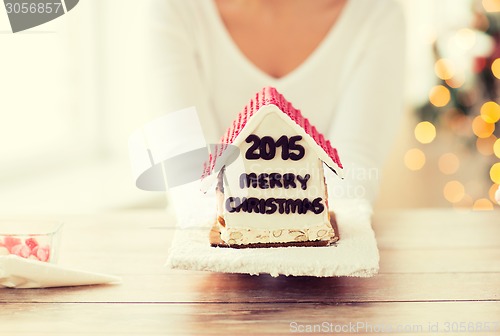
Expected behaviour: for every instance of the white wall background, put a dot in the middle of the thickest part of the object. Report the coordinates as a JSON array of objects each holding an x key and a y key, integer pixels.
[{"x": 71, "y": 92}]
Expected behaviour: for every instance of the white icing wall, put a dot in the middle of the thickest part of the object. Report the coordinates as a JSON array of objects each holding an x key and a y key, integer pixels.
[{"x": 272, "y": 125}]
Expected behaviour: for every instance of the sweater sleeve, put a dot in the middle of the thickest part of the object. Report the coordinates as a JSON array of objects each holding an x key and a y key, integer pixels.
[
  {"x": 370, "y": 109},
  {"x": 177, "y": 79}
]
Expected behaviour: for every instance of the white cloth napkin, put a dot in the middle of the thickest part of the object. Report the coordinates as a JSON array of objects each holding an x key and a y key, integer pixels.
[
  {"x": 356, "y": 253},
  {"x": 17, "y": 272}
]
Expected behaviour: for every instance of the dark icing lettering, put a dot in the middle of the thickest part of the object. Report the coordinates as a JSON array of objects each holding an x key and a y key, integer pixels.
[
  {"x": 262, "y": 206},
  {"x": 294, "y": 146},
  {"x": 251, "y": 153},
  {"x": 234, "y": 204},
  {"x": 303, "y": 181},
  {"x": 252, "y": 205},
  {"x": 285, "y": 148},
  {"x": 275, "y": 180},
  {"x": 318, "y": 206},
  {"x": 267, "y": 148},
  {"x": 229, "y": 206},
  {"x": 294, "y": 206},
  {"x": 281, "y": 205},
  {"x": 243, "y": 206},
  {"x": 248, "y": 180},
  {"x": 289, "y": 180},
  {"x": 271, "y": 206},
  {"x": 308, "y": 206},
  {"x": 263, "y": 181}
]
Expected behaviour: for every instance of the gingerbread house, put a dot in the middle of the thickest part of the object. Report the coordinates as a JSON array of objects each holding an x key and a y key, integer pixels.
[{"x": 271, "y": 190}]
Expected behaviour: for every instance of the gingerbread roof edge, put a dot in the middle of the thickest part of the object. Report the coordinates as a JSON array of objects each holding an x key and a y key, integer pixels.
[{"x": 270, "y": 96}]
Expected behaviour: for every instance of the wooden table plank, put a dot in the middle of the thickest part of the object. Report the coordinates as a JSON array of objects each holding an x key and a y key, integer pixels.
[
  {"x": 437, "y": 229},
  {"x": 232, "y": 319},
  {"x": 207, "y": 287},
  {"x": 123, "y": 262},
  {"x": 436, "y": 266},
  {"x": 465, "y": 260}
]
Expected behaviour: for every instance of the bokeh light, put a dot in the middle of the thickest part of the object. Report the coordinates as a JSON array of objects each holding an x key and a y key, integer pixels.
[
  {"x": 482, "y": 204},
  {"x": 414, "y": 159},
  {"x": 491, "y": 5},
  {"x": 439, "y": 96},
  {"x": 495, "y": 68},
  {"x": 448, "y": 163},
  {"x": 465, "y": 38},
  {"x": 492, "y": 191},
  {"x": 495, "y": 173},
  {"x": 496, "y": 148},
  {"x": 485, "y": 145},
  {"x": 425, "y": 132},
  {"x": 444, "y": 69},
  {"x": 481, "y": 128},
  {"x": 456, "y": 81},
  {"x": 490, "y": 112},
  {"x": 454, "y": 191}
]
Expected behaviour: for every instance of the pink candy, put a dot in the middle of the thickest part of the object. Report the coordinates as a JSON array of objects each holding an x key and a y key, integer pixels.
[
  {"x": 10, "y": 242},
  {"x": 41, "y": 253},
  {"x": 21, "y": 250},
  {"x": 29, "y": 248}
]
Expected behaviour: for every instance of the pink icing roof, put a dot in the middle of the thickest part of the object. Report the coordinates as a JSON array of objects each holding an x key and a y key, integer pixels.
[{"x": 268, "y": 96}]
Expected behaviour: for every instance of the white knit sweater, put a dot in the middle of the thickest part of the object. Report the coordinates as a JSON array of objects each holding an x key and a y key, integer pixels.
[{"x": 350, "y": 87}]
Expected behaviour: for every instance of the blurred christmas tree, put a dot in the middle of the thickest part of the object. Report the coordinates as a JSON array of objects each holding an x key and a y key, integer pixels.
[{"x": 465, "y": 103}]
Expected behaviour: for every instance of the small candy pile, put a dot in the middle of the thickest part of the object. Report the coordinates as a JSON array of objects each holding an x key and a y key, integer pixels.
[{"x": 29, "y": 248}]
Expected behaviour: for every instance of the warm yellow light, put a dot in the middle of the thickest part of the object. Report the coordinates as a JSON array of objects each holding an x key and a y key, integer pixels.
[
  {"x": 444, "y": 68},
  {"x": 425, "y": 132},
  {"x": 448, "y": 163},
  {"x": 492, "y": 191},
  {"x": 496, "y": 148},
  {"x": 495, "y": 173},
  {"x": 490, "y": 112},
  {"x": 439, "y": 96},
  {"x": 481, "y": 128},
  {"x": 454, "y": 191},
  {"x": 456, "y": 81},
  {"x": 465, "y": 38},
  {"x": 495, "y": 68},
  {"x": 414, "y": 159},
  {"x": 491, "y": 5},
  {"x": 482, "y": 204},
  {"x": 485, "y": 145}
]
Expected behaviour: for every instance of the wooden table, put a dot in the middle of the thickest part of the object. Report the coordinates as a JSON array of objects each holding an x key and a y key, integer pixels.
[{"x": 440, "y": 271}]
